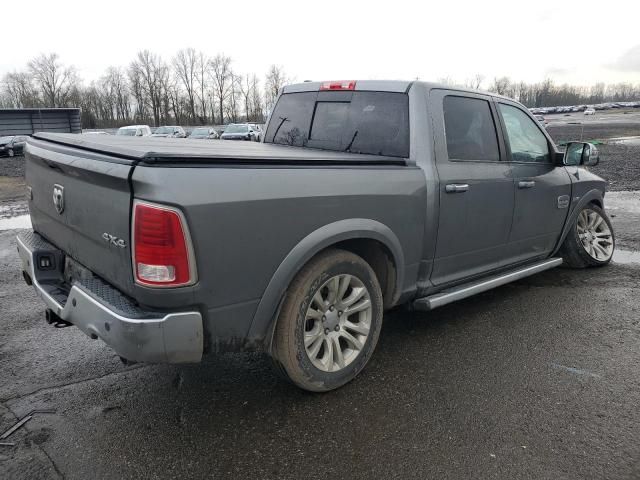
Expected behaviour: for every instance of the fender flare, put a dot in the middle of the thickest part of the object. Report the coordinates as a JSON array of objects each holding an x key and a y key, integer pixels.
[
  {"x": 587, "y": 198},
  {"x": 262, "y": 326}
]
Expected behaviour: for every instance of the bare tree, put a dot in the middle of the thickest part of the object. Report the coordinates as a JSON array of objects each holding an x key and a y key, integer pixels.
[
  {"x": 19, "y": 90},
  {"x": 274, "y": 81},
  {"x": 500, "y": 85},
  {"x": 257, "y": 114},
  {"x": 202, "y": 84},
  {"x": 185, "y": 65},
  {"x": 474, "y": 83},
  {"x": 222, "y": 77},
  {"x": 148, "y": 71},
  {"x": 54, "y": 80}
]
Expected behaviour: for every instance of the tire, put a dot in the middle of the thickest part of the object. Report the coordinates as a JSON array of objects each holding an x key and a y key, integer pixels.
[
  {"x": 318, "y": 345},
  {"x": 587, "y": 245},
  {"x": 10, "y": 152}
]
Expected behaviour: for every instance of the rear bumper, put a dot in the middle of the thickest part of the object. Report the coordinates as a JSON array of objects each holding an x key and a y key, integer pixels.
[{"x": 100, "y": 311}]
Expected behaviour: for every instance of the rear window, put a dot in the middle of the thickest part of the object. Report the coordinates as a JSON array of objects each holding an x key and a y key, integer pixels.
[{"x": 374, "y": 123}]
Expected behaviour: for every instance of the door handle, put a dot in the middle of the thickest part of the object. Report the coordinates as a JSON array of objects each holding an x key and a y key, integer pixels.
[
  {"x": 526, "y": 184},
  {"x": 456, "y": 187}
]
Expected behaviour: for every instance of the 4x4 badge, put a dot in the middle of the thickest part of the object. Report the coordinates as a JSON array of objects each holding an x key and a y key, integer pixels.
[{"x": 58, "y": 198}]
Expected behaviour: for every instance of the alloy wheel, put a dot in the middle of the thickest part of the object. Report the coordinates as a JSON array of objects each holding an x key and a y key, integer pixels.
[
  {"x": 337, "y": 323},
  {"x": 595, "y": 235}
]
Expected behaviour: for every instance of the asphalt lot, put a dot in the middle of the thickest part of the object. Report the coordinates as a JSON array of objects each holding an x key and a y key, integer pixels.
[{"x": 537, "y": 379}]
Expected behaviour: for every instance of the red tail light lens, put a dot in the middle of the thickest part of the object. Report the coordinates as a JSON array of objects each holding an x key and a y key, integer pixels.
[
  {"x": 342, "y": 85},
  {"x": 161, "y": 255}
]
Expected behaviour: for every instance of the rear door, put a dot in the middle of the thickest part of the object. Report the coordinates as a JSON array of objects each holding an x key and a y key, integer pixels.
[
  {"x": 476, "y": 188},
  {"x": 81, "y": 202},
  {"x": 542, "y": 189}
]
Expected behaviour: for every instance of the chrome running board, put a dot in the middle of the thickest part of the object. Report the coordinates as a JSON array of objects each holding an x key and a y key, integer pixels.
[{"x": 468, "y": 289}]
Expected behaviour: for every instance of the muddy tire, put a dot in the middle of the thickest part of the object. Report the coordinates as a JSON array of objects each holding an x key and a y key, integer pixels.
[
  {"x": 591, "y": 241},
  {"x": 329, "y": 323}
]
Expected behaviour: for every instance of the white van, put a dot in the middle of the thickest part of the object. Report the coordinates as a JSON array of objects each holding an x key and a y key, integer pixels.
[{"x": 134, "y": 131}]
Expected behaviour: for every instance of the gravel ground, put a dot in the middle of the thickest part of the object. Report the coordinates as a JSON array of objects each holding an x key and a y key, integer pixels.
[
  {"x": 12, "y": 167},
  {"x": 536, "y": 379}
]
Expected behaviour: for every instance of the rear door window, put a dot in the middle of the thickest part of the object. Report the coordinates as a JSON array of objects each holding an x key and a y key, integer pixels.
[
  {"x": 374, "y": 123},
  {"x": 469, "y": 129}
]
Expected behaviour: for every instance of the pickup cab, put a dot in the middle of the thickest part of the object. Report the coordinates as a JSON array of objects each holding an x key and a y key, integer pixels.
[{"x": 362, "y": 196}]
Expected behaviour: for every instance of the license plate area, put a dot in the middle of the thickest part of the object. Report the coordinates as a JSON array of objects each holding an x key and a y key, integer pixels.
[{"x": 75, "y": 272}]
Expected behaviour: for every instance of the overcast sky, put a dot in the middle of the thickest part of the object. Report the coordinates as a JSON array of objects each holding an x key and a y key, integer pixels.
[{"x": 580, "y": 42}]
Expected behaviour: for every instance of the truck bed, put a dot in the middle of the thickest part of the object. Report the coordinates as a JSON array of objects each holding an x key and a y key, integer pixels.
[{"x": 149, "y": 150}]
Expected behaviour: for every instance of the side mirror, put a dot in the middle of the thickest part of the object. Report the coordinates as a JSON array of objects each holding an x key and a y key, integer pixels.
[{"x": 581, "y": 153}]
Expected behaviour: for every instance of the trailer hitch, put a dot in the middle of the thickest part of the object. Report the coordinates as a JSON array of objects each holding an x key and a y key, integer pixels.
[{"x": 53, "y": 319}]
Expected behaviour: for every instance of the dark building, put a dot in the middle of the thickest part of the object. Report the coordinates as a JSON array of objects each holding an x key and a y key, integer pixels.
[{"x": 26, "y": 121}]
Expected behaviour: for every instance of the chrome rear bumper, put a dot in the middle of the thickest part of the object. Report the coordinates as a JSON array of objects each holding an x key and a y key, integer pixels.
[{"x": 134, "y": 334}]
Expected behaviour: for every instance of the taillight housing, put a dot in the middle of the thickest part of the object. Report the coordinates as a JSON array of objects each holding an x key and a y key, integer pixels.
[
  {"x": 162, "y": 251},
  {"x": 341, "y": 85}
]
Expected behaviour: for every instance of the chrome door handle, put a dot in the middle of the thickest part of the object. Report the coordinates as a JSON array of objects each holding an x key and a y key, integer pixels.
[
  {"x": 456, "y": 187},
  {"x": 526, "y": 184}
]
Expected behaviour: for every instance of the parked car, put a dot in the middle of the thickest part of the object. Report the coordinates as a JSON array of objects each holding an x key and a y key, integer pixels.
[
  {"x": 257, "y": 129},
  {"x": 134, "y": 131},
  {"x": 297, "y": 245},
  {"x": 240, "y": 131},
  {"x": 204, "y": 133},
  {"x": 172, "y": 131},
  {"x": 12, "y": 145},
  {"x": 590, "y": 111}
]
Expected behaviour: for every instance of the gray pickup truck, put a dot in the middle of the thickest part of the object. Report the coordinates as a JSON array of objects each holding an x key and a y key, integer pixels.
[{"x": 363, "y": 195}]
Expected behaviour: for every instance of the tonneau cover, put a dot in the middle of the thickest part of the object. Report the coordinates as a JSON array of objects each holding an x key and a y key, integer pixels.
[{"x": 153, "y": 149}]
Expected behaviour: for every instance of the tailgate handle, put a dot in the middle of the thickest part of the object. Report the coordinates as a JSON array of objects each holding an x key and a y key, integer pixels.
[{"x": 456, "y": 187}]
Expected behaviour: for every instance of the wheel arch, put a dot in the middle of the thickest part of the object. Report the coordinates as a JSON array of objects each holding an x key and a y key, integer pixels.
[
  {"x": 592, "y": 196},
  {"x": 368, "y": 238}
]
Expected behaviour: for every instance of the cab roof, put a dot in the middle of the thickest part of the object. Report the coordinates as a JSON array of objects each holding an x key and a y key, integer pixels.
[{"x": 399, "y": 86}]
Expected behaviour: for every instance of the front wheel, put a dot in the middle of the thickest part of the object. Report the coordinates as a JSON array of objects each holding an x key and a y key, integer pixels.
[
  {"x": 591, "y": 241},
  {"x": 330, "y": 321}
]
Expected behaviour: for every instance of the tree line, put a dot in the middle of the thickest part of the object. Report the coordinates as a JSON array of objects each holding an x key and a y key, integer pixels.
[
  {"x": 191, "y": 88},
  {"x": 548, "y": 94}
]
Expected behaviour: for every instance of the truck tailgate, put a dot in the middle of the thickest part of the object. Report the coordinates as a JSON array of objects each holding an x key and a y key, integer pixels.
[{"x": 90, "y": 219}]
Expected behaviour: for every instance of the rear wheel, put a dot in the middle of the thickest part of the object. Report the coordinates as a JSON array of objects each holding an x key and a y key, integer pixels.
[
  {"x": 329, "y": 323},
  {"x": 591, "y": 241},
  {"x": 10, "y": 152}
]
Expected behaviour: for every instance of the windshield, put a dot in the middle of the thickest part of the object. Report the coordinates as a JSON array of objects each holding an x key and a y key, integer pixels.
[
  {"x": 129, "y": 132},
  {"x": 200, "y": 131},
  {"x": 5, "y": 139},
  {"x": 374, "y": 123},
  {"x": 236, "y": 129},
  {"x": 165, "y": 130}
]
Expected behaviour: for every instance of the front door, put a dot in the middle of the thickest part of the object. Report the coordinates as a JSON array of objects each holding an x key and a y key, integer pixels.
[
  {"x": 475, "y": 186},
  {"x": 542, "y": 189}
]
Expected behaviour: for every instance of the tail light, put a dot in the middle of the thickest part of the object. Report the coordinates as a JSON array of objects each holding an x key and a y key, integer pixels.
[
  {"x": 162, "y": 254},
  {"x": 342, "y": 85}
]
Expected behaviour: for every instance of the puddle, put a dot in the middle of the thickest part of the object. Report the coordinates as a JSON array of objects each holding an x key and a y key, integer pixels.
[
  {"x": 13, "y": 210},
  {"x": 625, "y": 140},
  {"x": 624, "y": 201},
  {"x": 22, "y": 221},
  {"x": 626, "y": 257}
]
